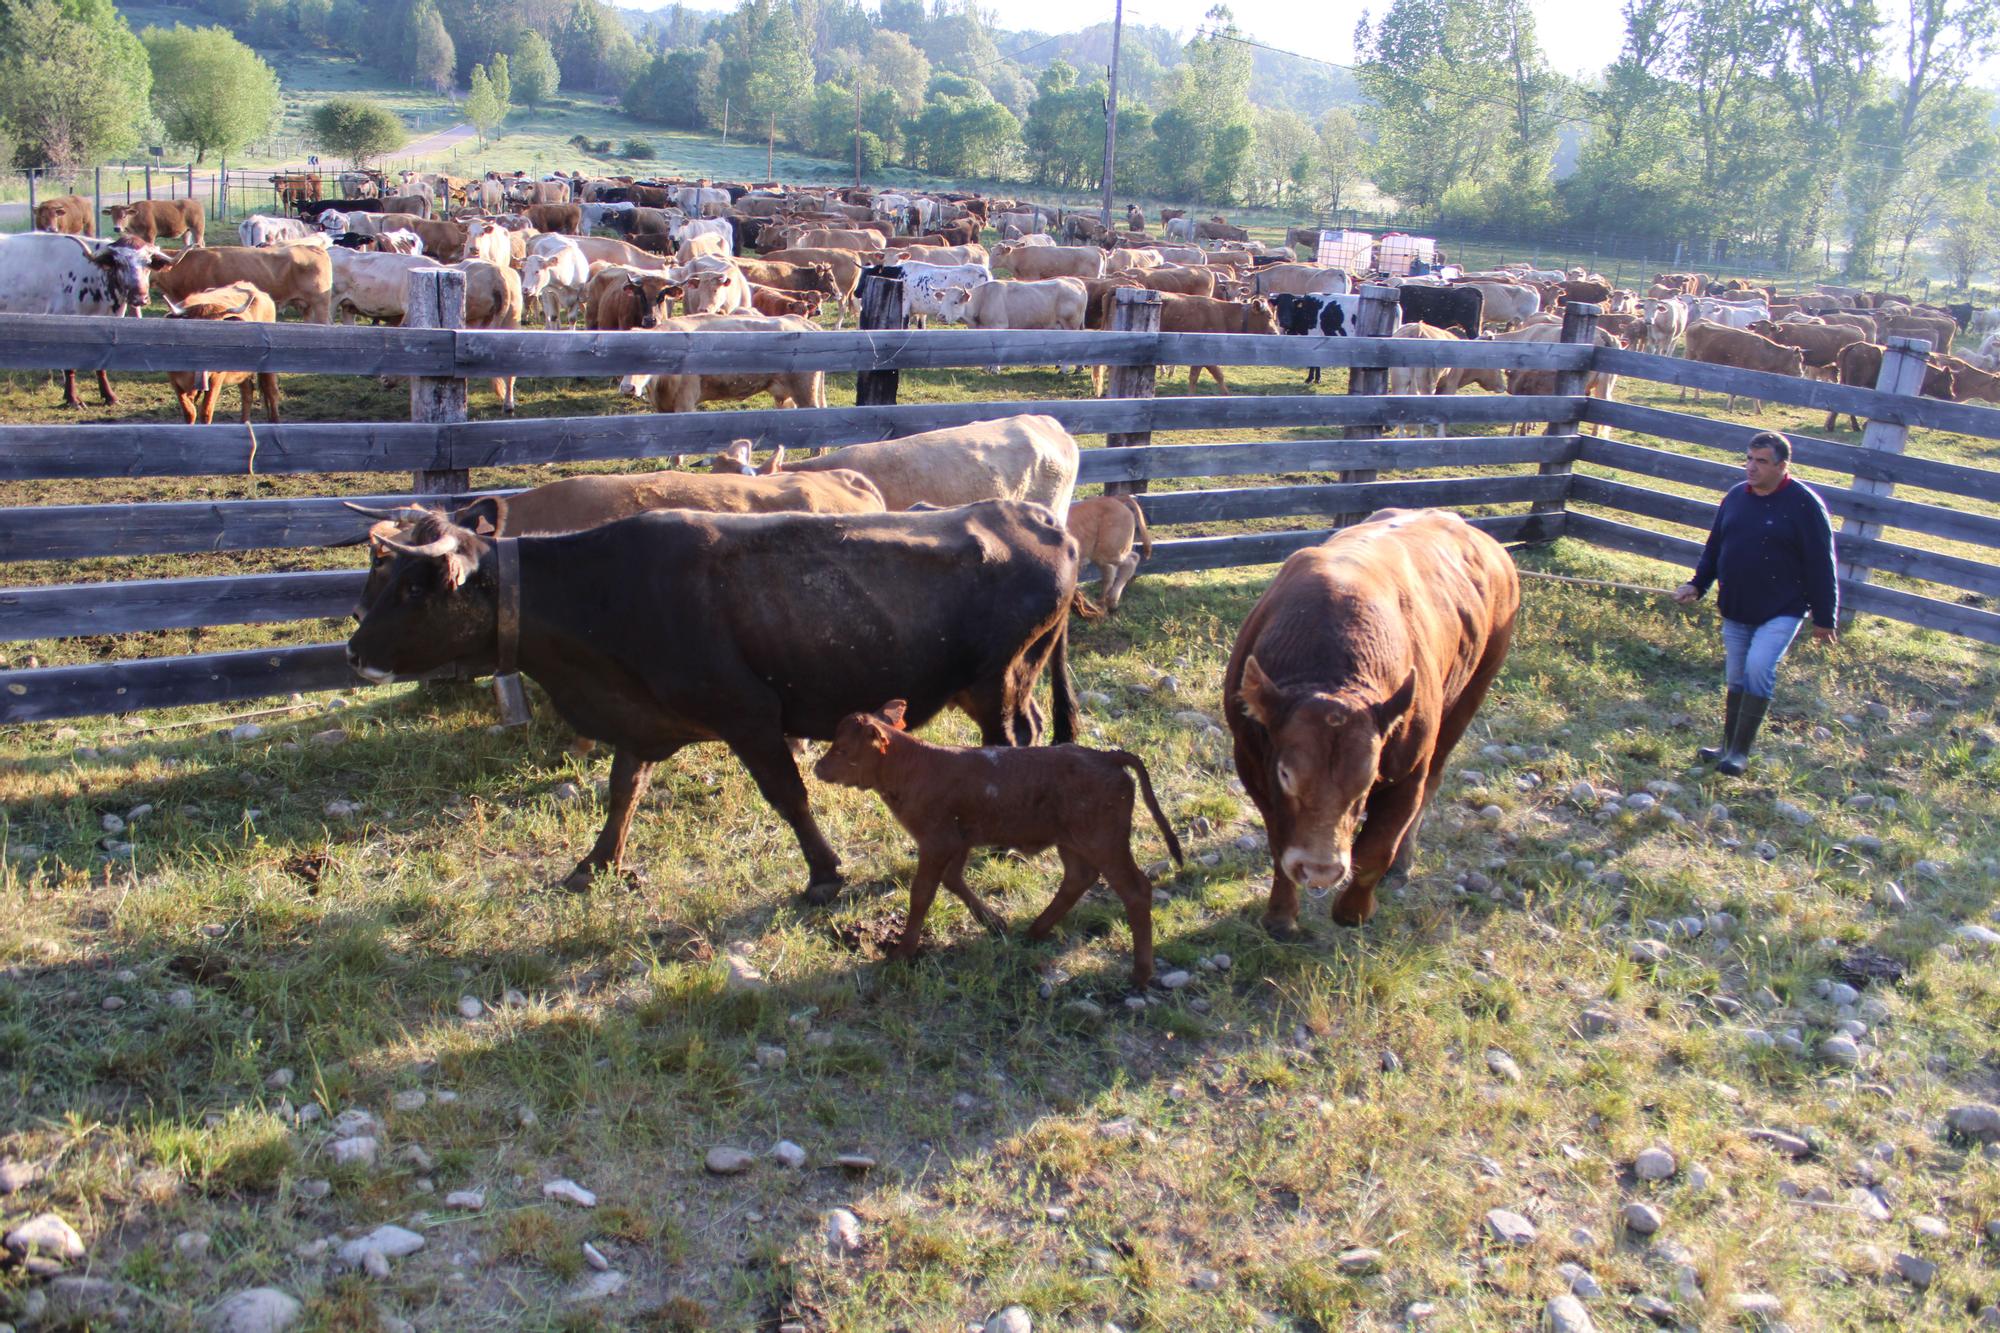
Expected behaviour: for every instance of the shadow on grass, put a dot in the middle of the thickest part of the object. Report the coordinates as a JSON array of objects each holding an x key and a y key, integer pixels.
[{"x": 636, "y": 1051}]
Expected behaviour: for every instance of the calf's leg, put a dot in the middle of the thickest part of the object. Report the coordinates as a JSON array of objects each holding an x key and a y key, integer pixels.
[
  {"x": 629, "y": 776},
  {"x": 954, "y": 879},
  {"x": 932, "y": 862},
  {"x": 1078, "y": 875}
]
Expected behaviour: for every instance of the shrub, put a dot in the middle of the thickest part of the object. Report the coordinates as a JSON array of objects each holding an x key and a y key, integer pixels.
[{"x": 636, "y": 149}]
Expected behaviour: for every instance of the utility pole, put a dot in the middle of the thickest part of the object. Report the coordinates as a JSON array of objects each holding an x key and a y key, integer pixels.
[
  {"x": 725, "y": 120},
  {"x": 857, "y": 129},
  {"x": 1111, "y": 112},
  {"x": 771, "y": 146}
]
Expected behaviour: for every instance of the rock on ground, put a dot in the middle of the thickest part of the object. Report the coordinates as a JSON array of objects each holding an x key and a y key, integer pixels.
[
  {"x": 47, "y": 1236},
  {"x": 1655, "y": 1164},
  {"x": 388, "y": 1241},
  {"x": 1013, "y": 1319},
  {"x": 256, "y": 1310},
  {"x": 1510, "y": 1227},
  {"x": 1565, "y": 1314},
  {"x": 568, "y": 1191},
  {"x": 843, "y": 1233}
]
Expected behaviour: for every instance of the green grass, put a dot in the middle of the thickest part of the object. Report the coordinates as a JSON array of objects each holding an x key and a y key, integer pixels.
[{"x": 1264, "y": 1136}]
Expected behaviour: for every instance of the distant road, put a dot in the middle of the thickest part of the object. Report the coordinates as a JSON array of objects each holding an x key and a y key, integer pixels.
[{"x": 433, "y": 144}]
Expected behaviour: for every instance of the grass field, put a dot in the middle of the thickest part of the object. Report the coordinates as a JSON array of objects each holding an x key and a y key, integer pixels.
[{"x": 1305, "y": 1136}]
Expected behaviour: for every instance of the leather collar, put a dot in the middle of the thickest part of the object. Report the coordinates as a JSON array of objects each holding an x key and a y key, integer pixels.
[{"x": 507, "y": 552}]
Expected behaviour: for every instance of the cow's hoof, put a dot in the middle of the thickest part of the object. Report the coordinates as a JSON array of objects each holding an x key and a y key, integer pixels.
[
  {"x": 584, "y": 878},
  {"x": 1354, "y": 914},
  {"x": 821, "y": 892},
  {"x": 1283, "y": 928}
]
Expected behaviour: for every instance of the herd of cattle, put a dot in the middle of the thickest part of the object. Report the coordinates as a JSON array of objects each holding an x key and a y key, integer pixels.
[
  {"x": 1351, "y": 681},
  {"x": 616, "y": 254}
]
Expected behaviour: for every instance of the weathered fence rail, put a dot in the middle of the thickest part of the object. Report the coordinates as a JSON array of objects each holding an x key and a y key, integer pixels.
[{"x": 1559, "y": 481}]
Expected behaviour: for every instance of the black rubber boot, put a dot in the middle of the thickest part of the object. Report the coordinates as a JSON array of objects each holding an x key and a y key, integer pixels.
[
  {"x": 1749, "y": 717},
  {"x": 1708, "y": 754}
]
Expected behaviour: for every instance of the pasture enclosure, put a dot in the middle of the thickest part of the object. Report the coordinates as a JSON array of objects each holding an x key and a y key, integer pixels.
[{"x": 440, "y": 449}]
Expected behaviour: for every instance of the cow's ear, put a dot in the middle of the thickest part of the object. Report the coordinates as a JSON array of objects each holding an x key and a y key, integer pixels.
[
  {"x": 893, "y": 712},
  {"x": 1392, "y": 709},
  {"x": 459, "y": 566},
  {"x": 774, "y": 464},
  {"x": 485, "y": 516},
  {"x": 1261, "y": 699}
]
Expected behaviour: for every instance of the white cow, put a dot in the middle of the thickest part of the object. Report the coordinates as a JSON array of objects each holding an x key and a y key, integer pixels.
[
  {"x": 925, "y": 285},
  {"x": 1011, "y": 458},
  {"x": 49, "y": 273},
  {"x": 706, "y": 227},
  {"x": 1507, "y": 302},
  {"x": 1734, "y": 314},
  {"x": 555, "y": 272},
  {"x": 692, "y": 197},
  {"x": 1180, "y": 229},
  {"x": 260, "y": 229}
]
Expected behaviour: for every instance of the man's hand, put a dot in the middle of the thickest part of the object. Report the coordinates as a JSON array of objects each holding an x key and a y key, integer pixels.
[
  {"x": 1686, "y": 594},
  {"x": 1825, "y": 634}
]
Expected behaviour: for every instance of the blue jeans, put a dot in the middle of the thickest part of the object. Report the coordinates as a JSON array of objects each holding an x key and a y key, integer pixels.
[{"x": 1752, "y": 652}]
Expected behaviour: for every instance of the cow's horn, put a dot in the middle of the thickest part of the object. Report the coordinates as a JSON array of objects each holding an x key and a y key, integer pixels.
[
  {"x": 444, "y": 545},
  {"x": 246, "y": 303},
  {"x": 400, "y": 514},
  {"x": 172, "y": 308}
]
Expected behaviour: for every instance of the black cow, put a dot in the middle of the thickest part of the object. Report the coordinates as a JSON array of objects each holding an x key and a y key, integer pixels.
[
  {"x": 311, "y": 209},
  {"x": 675, "y": 628},
  {"x": 1325, "y": 314},
  {"x": 1962, "y": 311},
  {"x": 1458, "y": 308}
]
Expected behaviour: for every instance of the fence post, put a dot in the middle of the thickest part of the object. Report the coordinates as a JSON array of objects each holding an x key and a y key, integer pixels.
[
  {"x": 881, "y": 299},
  {"x": 149, "y": 180},
  {"x": 96, "y": 200},
  {"x": 435, "y": 299},
  {"x": 1133, "y": 310},
  {"x": 1579, "y": 326},
  {"x": 1375, "y": 316},
  {"x": 1902, "y": 372},
  {"x": 190, "y": 177},
  {"x": 31, "y": 196}
]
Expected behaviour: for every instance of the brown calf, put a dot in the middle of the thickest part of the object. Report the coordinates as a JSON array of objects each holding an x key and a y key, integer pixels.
[
  {"x": 241, "y": 302},
  {"x": 1106, "y": 528},
  {"x": 954, "y": 799}
]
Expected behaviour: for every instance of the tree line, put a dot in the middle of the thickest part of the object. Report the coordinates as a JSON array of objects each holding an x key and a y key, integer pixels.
[{"x": 1853, "y": 132}]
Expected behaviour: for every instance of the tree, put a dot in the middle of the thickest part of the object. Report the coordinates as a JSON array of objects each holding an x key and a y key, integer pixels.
[
  {"x": 1282, "y": 160},
  {"x": 895, "y": 63},
  {"x": 482, "y": 104},
  {"x": 501, "y": 76},
  {"x": 314, "y": 20},
  {"x": 961, "y": 130},
  {"x": 356, "y": 128},
  {"x": 673, "y": 89},
  {"x": 535, "y": 72},
  {"x": 1968, "y": 242},
  {"x": 1064, "y": 135},
  {"x": 74, "y": 83},
  {"x": 767, "y": 68},
  {"x": 210, "y": 91},
  {"x": 1337, "y": 153},
  {"x": 433, "y": 57}
]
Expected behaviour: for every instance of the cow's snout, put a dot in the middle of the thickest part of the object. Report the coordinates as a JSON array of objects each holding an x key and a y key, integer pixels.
[
  {"x": 1313, "y": 872},
  {"x": 373, "y": 675}
]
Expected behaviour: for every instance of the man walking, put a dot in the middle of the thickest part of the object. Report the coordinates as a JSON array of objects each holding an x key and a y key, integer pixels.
[{"x": 1772, "y": 548}]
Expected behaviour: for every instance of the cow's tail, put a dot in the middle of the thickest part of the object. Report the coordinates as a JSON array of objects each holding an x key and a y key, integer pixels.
[
  {"x": 1060, "y": 687},
  {"x": 1138, "y": 767},
  {"x": 1083, "y": 608},
  {"x": 1139, "y": 525}
]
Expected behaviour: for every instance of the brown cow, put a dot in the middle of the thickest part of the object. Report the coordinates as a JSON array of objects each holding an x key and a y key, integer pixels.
[
  {"x": 1106, "y": 528},
  {"x": 1350, "y": 682},
  {"x": 619, "y": 299},
  {"x": 1584, "y": 291},
  {"x": 1720, "y": 345},
  {"x": 1207, "y": 314},
  {"x": 296, "y": 277},
  {"x": 1860, "y": 365},
  {"x": 151, "y": 219},
  {"x": 1938, "y": 330},
  {"x": 953, "y": 799},
  {"x": 811, "y": 278},
  {"x": 564, "y": 218},
  {"x": 1215, "y": 229},
  {"x": 1969, "y": 381},
  {"x": 66, "y": 213},
  {"x": 771, "y": 301},
  {"x": 845, "y": 265},
  {"x": 685, "y": 393},
  {"x": 241, "y": 302},
  {"x": 1821, "y": 343}
]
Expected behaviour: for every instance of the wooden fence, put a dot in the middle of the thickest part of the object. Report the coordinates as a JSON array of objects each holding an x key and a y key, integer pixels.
[{"x": 1568, "y": 493}]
